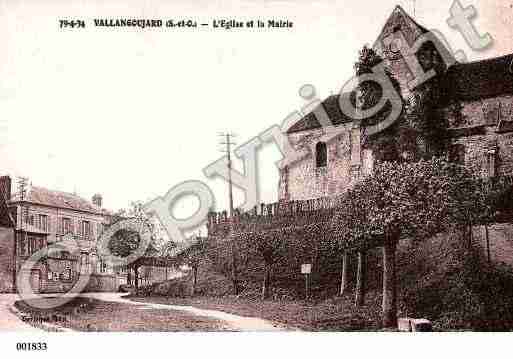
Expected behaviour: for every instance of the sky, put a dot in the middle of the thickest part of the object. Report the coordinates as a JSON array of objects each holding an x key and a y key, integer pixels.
[{"x": 130, "y": 113}]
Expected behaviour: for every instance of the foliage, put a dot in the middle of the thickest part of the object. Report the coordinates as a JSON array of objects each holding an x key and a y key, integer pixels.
[
  {"x": 369, "y": 93},
  {"x": 422, "y": 114},
  {"x": 413, "y": 199},
  {"x": 124, "y": 242}
]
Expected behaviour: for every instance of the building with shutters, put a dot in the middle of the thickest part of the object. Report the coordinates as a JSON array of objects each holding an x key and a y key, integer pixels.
[{"x": 43, "y": 217}]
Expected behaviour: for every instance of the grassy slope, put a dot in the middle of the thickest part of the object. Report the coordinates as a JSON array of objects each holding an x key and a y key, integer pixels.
[{"x": 440, "y": 279}]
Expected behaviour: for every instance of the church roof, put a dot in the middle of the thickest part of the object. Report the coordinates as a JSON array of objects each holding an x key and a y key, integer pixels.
[
  {"x": 462, "y": 81},
  {"x": 399, "y": 17},
  {"x": 332, "y": 108},
  {"x": 59, "y": 199},
  {"x": 480, "y": 79}
]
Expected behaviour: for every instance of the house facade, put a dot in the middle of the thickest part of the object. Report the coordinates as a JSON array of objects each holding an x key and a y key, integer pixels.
[
  {"x": 42, "y": 217},
  {"x": 473, "y": 105}
]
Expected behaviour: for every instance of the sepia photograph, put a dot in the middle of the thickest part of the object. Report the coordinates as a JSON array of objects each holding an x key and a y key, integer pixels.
[{"x": 327, "y": 177}]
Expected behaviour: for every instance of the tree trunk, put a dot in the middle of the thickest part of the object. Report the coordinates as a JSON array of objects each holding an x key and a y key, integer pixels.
[
  {"x": 343, "y": 279},
  {"x": 234, "y": 270},
  {"x": 487, "y": 236},
  {"x": 129, "y": 276},
  {"x": 389, "y": 285},
  {"x": 360, "y": 280},
  {"x": 266, "y": 282},
  {"x": 470, "y": 235},
  {"x": 194, "y": 279},
  {"x": 136, "y": 277},
  {"x": 470, "y": 239}
]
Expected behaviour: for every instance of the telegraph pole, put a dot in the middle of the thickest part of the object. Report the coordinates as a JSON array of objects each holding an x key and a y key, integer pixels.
[
  {"x": 228, "y": 138},
  {"x": 228, "y": 142}
]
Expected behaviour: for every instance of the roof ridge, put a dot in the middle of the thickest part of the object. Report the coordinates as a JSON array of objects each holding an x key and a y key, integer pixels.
[
  {"x": 60, "y": 199},
  {"x": 56, "y": 191},
  {"x": 490, "y": 59}
]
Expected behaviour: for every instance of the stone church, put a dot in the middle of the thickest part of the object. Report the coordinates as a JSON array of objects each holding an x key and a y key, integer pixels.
[{"x": 471, "y": 108}]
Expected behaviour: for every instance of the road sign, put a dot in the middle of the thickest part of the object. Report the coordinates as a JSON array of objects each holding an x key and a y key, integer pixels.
[{"x": 306, "y": 268}]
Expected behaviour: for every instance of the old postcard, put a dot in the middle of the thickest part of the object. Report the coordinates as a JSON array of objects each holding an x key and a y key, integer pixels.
[{"x": 275, "y": 167}]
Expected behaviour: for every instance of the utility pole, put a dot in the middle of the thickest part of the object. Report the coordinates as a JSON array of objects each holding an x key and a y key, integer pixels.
[
  {"x": 228, "y": 138},
  {"x": 228, "y": 142}
]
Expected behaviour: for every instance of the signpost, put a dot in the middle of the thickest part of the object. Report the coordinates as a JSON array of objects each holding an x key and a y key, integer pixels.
[{"x": 306, "y": 269}]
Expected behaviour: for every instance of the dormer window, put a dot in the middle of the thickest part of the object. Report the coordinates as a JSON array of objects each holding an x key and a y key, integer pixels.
[{"x": 321, "y": 155}]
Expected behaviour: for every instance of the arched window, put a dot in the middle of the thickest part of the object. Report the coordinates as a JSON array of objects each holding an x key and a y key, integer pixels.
[
  {"x": 457, "y": 153},
  {"x": 321, "y": 155}
]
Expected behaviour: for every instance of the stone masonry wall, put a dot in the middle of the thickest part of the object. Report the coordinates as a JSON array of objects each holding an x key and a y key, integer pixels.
[
  {"x": 306, "y": 181},
  {"x": 484, "y": 116}
]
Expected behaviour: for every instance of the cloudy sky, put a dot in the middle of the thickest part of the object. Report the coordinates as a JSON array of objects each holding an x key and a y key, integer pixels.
[{"x": 129, "y": 113}]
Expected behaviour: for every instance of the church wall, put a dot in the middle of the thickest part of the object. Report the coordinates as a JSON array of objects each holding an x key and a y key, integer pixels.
[
  {"x": 483, "y": 116},
  {"x": 306, "y": 181}
]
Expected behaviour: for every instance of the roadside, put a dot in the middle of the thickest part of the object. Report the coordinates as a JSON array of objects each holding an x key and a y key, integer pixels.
[
  {"x": 112, "y": 312},
  {"x": 87, "y": 313},
  {"x": 9, "y": 321},
  {"x": 232, "y": 321},
  {"x": 335, "y": 314}
]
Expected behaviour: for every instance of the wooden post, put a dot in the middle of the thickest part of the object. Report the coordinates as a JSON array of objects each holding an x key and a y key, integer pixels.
[
  {"x": 194, "y": 279},
  {"x": 360, "y": 280},
  {"x": 343, "y": 279},
  {"x": 307, "y": 286},
  {"x": 470, "y": 235},
  {"x": 487, "y": 236},
  {"x": 266, "y": 282},
  {"x": 389, "y": 304}
]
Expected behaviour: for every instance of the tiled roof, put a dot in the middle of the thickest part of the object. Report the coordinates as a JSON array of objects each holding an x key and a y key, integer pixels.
[
  {"x": 480, "y": 79},
  {"x": 398, "y": 17},
  {"x": 332, "y": 107},
  {"x": 58, "y": 199},
  {"x": 463, "y": 82}
]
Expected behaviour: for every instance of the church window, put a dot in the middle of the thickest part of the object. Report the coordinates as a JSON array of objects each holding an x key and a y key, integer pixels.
[
  {"x": 321, "y": 155},
  {"x": 457, "y": 154},
  {"x": 491, "y": 163}
]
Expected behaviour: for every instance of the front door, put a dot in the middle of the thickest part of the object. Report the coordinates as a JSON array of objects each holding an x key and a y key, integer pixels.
[{"x": 35, "y": 280}]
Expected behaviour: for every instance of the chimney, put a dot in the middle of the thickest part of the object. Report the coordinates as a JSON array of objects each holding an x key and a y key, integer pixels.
[
  {"x": 5, "y": 184},
  {"x": 97, "y": 200}
]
